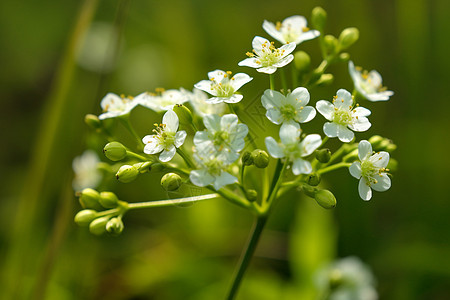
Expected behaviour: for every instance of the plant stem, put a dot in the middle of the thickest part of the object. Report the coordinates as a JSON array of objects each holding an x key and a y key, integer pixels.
[
  {"x": 333, "y": 167},
  {"x": 126, "y": 122},
  {"x": 283, "y": 80},
  {"x": 135, "y": 155},
  {"x": 186, "y": 158},
  {"x": 272, "y": 81},
  {"x": 171, "y": 202}
]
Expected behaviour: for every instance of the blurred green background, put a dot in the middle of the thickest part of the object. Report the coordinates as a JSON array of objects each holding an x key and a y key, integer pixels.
[{"x": 190, "y": 252}]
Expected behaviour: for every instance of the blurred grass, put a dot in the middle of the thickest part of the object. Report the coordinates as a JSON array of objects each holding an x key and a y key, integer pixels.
[{"x": 189, "y": 253}]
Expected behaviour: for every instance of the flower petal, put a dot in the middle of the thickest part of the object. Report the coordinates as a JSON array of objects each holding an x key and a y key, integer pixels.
[
  {"x": 217, "y": 75},
  {"x": 361, "y": 112},
  {"x": 250, "y": 62},
  {"x": 344, "y": 99},
  {"x": 258, "y": 43},
  {"x": 170, "y": 119},
  {"x": 301, "y": 166},
  {"x": 306, "y": 114},
  {"x": 310, "y": 143},
  {"x": 167, "y": 154},
  {"x": 180, "y": 136},
  {"x": 287, "y": 49},
  {"x": 365, "y": 192},
  {"x": 153, "y": 147},
  {"x": 212, "y": 123},
  {"x": 355, "y": 169},
  {"x": 364, "y": 150},
  {"x": 360, "y": 124},
  {"x": 274, "y": 149},
  {"x": 326, "y": 109},
  {"x": 290, "y": 133},
  {"x": 224, "y": 179},
  {"x": 201, "y": 178},
  {"x": 344, "y": 134},
  {"x": 233, "y": 99},
  {"x": 201, "y": 139},
  {"x": 383, "y": 183},
  {"x": 380, "y": 159},
  {"x": 267, "y": 70},
  {"x": 239, "y": 79},
  {"x": 300, "y": 95},
  {"x": 274, "y": 116},
  {"x": 271, "y": 98},
  {"x": 270, "y": 28},
  {"x": 306, "y": 36},
  {"x": 330, "y": 129},
  {"x": 284, "y": 61}
]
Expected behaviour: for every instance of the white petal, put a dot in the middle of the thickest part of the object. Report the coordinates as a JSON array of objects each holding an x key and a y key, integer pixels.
[
  {"x": 301, "y": 95},
  {"x": 330, "y": 129},
  {"x": 375, "y": 78},
  {"x": 344, "y": 99},
  {"x": 355, "y": 169},
  {"x": 270, "y": 28},
  {"x": 310, "y": 143},
  {"x": 364, "y": 150},
  {"x": 212, "y": 123},
  {"x": 295, "y": 22},
  {"x": 364, "y": 190},
  {"x": 380, "y": 96},
  {"x": 289, "y": 133},
  {"x": 284, "y": 61},
  {"x": 170, "y": 119},
  {"x": 361, "y": 112},
  {"x": 306, "y": 36},
  {"x": 267, "y": 70},
  {"x": 271, "y": 99},
  {"x": 383, "y": 183},
  {"x": 239, "y": 80},
  {"x": 344, "y": 134},
  {"x": 380, "y": 159},
  {"x": 200, "y": 138},
  {"x": 215, "y": 100},
  {"x": 201, "y": 178},
  {"x": 150, "y": 139},
  {"x": 233, "y": 99},
  {"x": 274, "y": 149},
  {"x": 217, "y": 75},
  {"x": 250, "y": 62},
  {"x": 224, "y": 179},
  {"x": 153, "y": 148},
  {"x": 109, "y": 114},
  {"x": 258, "y": 43},
  {"x": 110, "y": 100},
  {"x": 326, "y": 109},
  {"x": 360, "y": 124},
  {"x": 288, "y": 48},
  {"x": 205, "y": 85},
  {"x": 301, "y": 166},
  {"x": 274, "y": 116},
  {"x": 167, "y": 154},
  {"x": 228, "y": 121},
  {"x": 307, "y": 114},
  {"x": 180, "y": 136},
  {"x": 353, "y": 72}
]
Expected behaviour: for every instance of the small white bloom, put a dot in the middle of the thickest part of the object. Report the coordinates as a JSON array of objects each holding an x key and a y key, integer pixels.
[
  {"x": 266, "y": 58},
  {"x": 342, "y": 115},
  {"x": 198, "y": 100},
  {"x": 115, "y": 106},
  {"x": 290, "y": 108},
  {"x": 86, "y": 171},
  {"x": 371, "y": 170},
  {"x": 292, "y": 30},
  {"x": 162, "y": 100},
  {"x": 291, "y": 147},
  {"x": 223, "y": 86},
  {"x": 166, "y": 139},
  {"x": 369, "y": 84},
  {"x": 213, "y": 169},
  {"x": 223, "y": 135}
]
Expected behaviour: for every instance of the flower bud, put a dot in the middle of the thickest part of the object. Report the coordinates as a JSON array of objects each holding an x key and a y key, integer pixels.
[
  {"x": 376, "y": 141},
  {"x": 252, "y": 195},
  {"x": 92, "y": 121},
  {"x": 115, "y": 151},
  {"x": 114, "y": 226},
  {"x": 108, "y": 199},
  {"x": 313, "y": 179},
  {"x": 302, "y": 60},
  {"x": 183, "y": 113},
  {"x": 331, "y": 44},
  {"x": 171, "y": 182},
  {"x": 325, "y": 198},
  {"x": 84, "y": 217},
  {"x": 247, "y": 159},
  {"x": 335, "y": 279},
  {"x": 323, "y": 155},
  {"x": 260, "y": 158},
  {"x": 98, "y": 226},
  {"x": 156, "y": 167},
  {"x": 344, "y": 57},
  {"x": 127, "y": 173},
  {"x": 89, "y": 198},
  {"x": 143, "y": 167},
  {"x": 348, "y": 37},
  {"x": 308, "y": 190},
  {"x": 325, "y": 79},
  {"x": 352, "y": 156},
  {"x": 318, "y": 18}
]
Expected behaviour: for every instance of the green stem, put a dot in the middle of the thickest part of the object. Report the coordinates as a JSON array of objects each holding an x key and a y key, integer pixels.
[
  {"x": 338, "y": 153},
  {"x": 294, "y": 77},
  {"x": 126, "y": 122},
  {"x": 241, "y": 173},
  {"x": 171, "y": 202},
  {"x": 325, "y": 139},
  {"x": 283, "y": 80},
  {"x": 246, "y": 256},
  {"x": 277, "y": 180},
  {"x": 186, "y": 158},
  {"x": 334, "y": 167},
  {"x": 135, "y": 155},
  {"x": 272, "y": 82}
]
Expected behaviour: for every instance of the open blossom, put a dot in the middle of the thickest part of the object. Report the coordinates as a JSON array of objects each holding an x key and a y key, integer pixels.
[
  {"x": 223, "y": 135},
  {"x": 343, "y": 116},
  {"x": 288, "y": 109},
  {"x": 369, "y": 84},
  {"x": 198, "y": 100},
  {"x": 292, "y": 30},
  {"x": 266, "y": 58},
  {"x": 292, "y": 149},
  {"x": 223, "y": 86},
  {"x": 166, "y": 139},
  {"x": 115, "y": 106},
  {"x": 86, "y": 171},
  {"x": 213, "y": 169},
  {"x": 370, "y": 170},
  {"x": 162, "y": 100}
]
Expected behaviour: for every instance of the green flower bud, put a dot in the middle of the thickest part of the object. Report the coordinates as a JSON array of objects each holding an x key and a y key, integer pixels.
[
  {"x": 143, "y": 167},
  {"x": 260, "y": 158},
  {"x": 313, "y": 179},
  {"x": 92, "y": 121},
  {"x": 127, "y": 173},
  {"x": 115, "y": 151},
  {"x": 171, "y": 182},
  {"x": 308, "y": 190},
  {"x": 352, "y": 156},
  {"x": 325, "y": 198},
  {"x": 84, "y": 217},
  {"x": 183, "y": 113},
  {"x": 252, "y": 195},
  {"x": 325, "y": 79},
  {"x": 302, "y": 60},
  {"x": 323, "y": 155},
  {"x": 247, "y": 159},
  {"x": 335, "y": 279},
  {"x": 318, "y": 18},
  {"x": 108, "y": 199},
  {"x": 344, "y": 57},
  {"x": 330, "y": 43},
  {"x": 89, "y": 198},
  {"x": 98, "y": 226},
  {"x": 376, "y": 141},
  {"x": 156, "y": 167},
  {"x": 114, "y": 226},
  {"x": 348, "y": 37}
]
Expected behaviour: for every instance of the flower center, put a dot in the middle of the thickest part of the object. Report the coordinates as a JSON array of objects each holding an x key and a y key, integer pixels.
[
  {"x": 214, "y": 167},
  {"x": 342, "y": 117},
  {"x": 288, "y": 112},
  {"x": 165, "y": 137},
  {"x": 223, "y": 89},
  {"x": 221, "y": 138},
  {"x": 269, "y": 55},
  {"x": 368, "y": 171}
]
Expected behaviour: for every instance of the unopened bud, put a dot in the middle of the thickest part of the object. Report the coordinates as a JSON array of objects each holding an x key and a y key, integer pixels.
[
  {"x": 92, "y": 121},
  {"x": 325, "y": 198},
  {"x": 313, "y": 179},
  {"x": 252, "y": 195},
  {"x": 98, "y": 226},
  {"x": 115, "y": 151},
  {"x": 183, "y": 113},
  {"x": 127, "y": 173},
  {"x": 325, "y": 79},
  {"x": 348, "y": 37},
  {"x": 156, "y": 167},
  {"x": 171, "y": 182},
  {"x": 344, "y": 57},
  {"x": 89, "y": 198},
  {"x": 114, "y": 226},
  {"x": 376, "y": 141},
  {"x": 247, "y": 159},
  {"x": 260, "y": 158},
  {"x": 302, "y": 60},
  {"x": 308, "y": 190},
  {"x": 143, "y": 167},
  {"x": 331, "y": 44},
  {"x": 318, "y": 18},
  {"x": 323, "y": 155},
  {"x": 84, "y": 217},
  {"x": 108, "y": 199}
]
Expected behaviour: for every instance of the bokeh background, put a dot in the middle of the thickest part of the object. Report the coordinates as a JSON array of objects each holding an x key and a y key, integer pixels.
[{"x": 53, "y": 73}]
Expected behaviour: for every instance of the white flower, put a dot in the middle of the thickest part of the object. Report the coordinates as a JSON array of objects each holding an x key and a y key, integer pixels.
[
  {"x": 292, "y": 30},
  {"x": 223, "y": 86},
  {"x": 212, "y": 170},
  {"x": 166, "y": 139},
  {"x": 114, "y": 106},
  {"x": 163, "y": 100},
  {"x": 223, "y": 135},
  {"x": 86, "y": 171},
  {"x": 268, "y": 58},
  {"x": 369, "y": 84},
  {"x": 371, "y": 171},
  {"x": 291, "y": 147},
  {"x": 342, "y": 115},
  {"x": 198, "y": 100},
  {"x": 292, "y": 108}
]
